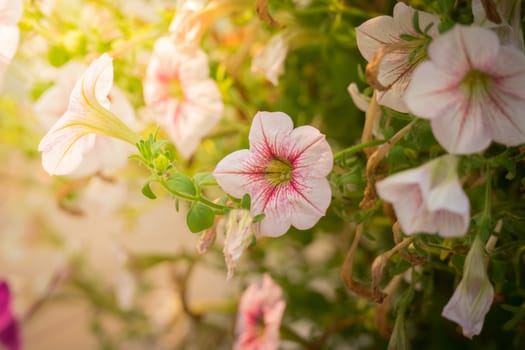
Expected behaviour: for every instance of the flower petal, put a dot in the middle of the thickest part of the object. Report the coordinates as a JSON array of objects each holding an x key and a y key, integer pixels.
[
  {"x": 311, "y": 204},
  {"x": 234, "y": 175},
  {"x": 309, "y": 152},
  {"x": 268, "y": 133}
]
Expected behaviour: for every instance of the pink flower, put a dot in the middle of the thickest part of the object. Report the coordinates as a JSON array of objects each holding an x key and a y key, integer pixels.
[
  {"x": 88, "y": 136},
  {"x": 382, "y": 36},
  {"x": 10, "y": 13},
  {"x": 474, "y": 294},
  {"x": 429, "y": 198},
  {"x": 9, "y": 332},
  {"x": 284, "y": 171},
  {"x": 472, "y": 89},
  {"x": 177, "y": 87},
  {"x": 259, "y": 317}
]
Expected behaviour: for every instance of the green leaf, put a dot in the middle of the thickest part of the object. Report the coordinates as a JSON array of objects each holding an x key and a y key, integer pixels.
[
  {"x": 204, "y": 179},
  {"x": 199, "y": 218},
  {"x": 407, "y": 37},
  {"x": 246, "y": 201},
  {"x": 258, "y": 218},
  {"x": 181, "y": 183},
  {"x": 146, "y": 190}
]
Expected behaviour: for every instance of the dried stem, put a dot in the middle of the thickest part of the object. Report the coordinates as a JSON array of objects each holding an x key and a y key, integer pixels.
[
  {"x": 413, "y": 260},
  {"x": 381, "y": 310},
  {"x": 370, "y": 195}
]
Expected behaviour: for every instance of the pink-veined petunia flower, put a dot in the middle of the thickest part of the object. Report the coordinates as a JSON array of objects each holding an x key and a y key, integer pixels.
[
  {"x": 508, "y": 15},
  {"x": 474, "y": 294},
  {"x": 177, "y": 87},
  {"x": 10, "y": 14},
  {"x": 239, "y": 235},
  {"x": 284, "y": 171},
  {"x": 87, "y": 124},
  {"x": 380, "y": 39},
  {"x": 259, "y": 316},
  {"x": 9, "y": 330},
  {"x": 472, "y": 89},
  {"x": 270, "y": 59},
  {"x": 429, "y": 198}
]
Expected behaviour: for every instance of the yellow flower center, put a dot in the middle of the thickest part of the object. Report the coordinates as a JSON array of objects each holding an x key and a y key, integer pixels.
[
  {"x": 175, "y": 89},
  {"x": 279, "y": 171},
  {"x": 475, "y": 81}
]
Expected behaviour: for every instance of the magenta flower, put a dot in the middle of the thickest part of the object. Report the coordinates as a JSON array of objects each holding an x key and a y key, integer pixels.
[
  {"x": 472, "y": 90},
  {"x": 9, "y": 332},
  {"x": 429, "y": 198},
  {"x": 259, "y": 317},
  {"x": 284, "y": 171},
  {"x": 177, "y": 87},
  {"x": 382, "y": 35}
]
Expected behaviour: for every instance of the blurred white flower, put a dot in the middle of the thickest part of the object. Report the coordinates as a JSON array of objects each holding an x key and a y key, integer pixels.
[
  {"x": 178, "y": 88},
  {"x": 10, "y": 14},
  {"x": 270, "y": 59}
]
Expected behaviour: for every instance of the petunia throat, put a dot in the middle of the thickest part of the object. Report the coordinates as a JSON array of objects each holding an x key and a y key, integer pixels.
[
  {"x": 475, "y": 81},
  {"x": 279, "y": 171}
]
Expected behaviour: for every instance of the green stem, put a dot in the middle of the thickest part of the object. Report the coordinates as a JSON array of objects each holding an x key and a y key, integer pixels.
[
  {"x": 354, "y": 149},
  {"x": 485, "y": 218},
  {"x": 188, "y": 197}
]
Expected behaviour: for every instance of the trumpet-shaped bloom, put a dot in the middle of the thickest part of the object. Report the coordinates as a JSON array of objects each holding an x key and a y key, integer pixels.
[
  {"x": 380, "y": 39},
  {"x": 10, "y": 13},
  {"x": 54, "y": 103},
  {"x": 429, "y": 198},
  {"x": 284, "y": 171},
  {"x": 259, "y": 317},
  {"x": 9, "y": 333},
  {"x": 186, "y": 102},
  {"x": 474, "y": 294},
  {"x": 270, "y": 59},
  {"x": 472, "y": 89},
  {"x": 68, "y": 145},
  {"x": 239, "y": 234}
]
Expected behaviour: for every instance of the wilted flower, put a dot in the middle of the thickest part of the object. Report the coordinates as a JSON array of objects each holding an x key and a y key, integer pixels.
[
  {"x": 395, "y": 48},
  {"x": 186, "y": 102},
  {"x": 10, "y": 13},
  {"x": 53, "y": 104},
  {"x": 360, "y": 100},
  {"x": 504, "y": 17},
  {"x": 270, "y": 59},
  {"x": 471, "y": 89},
  {"x": 72, "y": 138},
  {"x": 239, "y": 235},
  {"x": 259, "y": 316},
  {"x": 284, "y": 171},
  {"x": 474, "y": 294},
  {"x": 429, "y": 198},
  {"x": 9, "y": 332}
]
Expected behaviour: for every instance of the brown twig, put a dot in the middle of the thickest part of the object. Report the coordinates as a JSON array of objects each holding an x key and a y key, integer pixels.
[{"x": 412, "y": 259}]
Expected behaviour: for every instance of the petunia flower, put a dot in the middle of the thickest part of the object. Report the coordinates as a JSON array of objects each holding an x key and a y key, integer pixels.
[
  {"x": 429, "y": 198},
  {"x": 284, "y": 171},
  {"x": 270, "y": 59},
  {"x": 396, "y": 48},
  {"x": 9, "y": 330},
  {"x": 87, "y": 124},
  {"x": 472, "y": 89},
  {"x": 239, "y": 234},
  {"x": 474, "y": 294},
  {"x": 504, "y": 19},
  {"x": 177, "y": 87},
  {"x": 259, "y": 316},
  {"x": 10, "y": 14}
]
